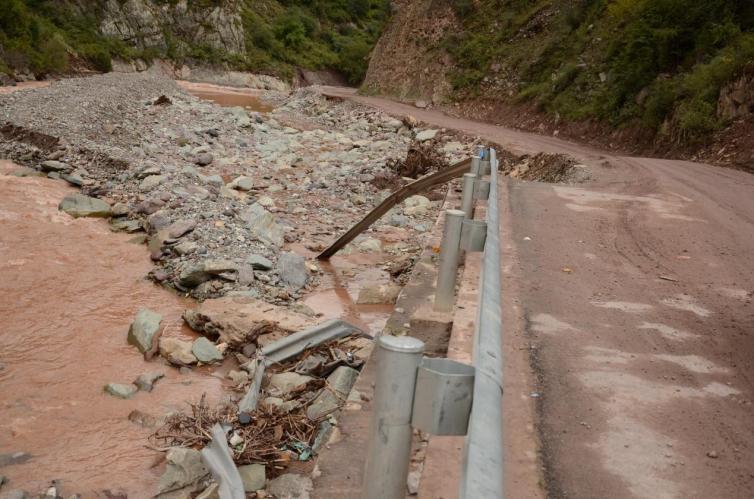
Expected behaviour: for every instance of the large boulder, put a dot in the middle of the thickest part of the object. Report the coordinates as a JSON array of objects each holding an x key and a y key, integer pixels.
[
  {"x": 262, "y": 225},
  {"x": 77, "y": 205},
  {"x": 239, "y": 320},
  {"x": 143, "y": 328}
]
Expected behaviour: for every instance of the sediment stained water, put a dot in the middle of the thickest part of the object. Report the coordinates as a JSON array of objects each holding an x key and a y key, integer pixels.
[
  {"x": 227, "y": 96},
  {"x": 70, "y": 288}
]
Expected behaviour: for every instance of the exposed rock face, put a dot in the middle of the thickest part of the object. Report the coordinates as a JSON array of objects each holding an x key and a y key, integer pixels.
[
  {"x": 143, "y": 23},
  {"x": 405, "y": 61},
  {"x": 737, "y": 99}
]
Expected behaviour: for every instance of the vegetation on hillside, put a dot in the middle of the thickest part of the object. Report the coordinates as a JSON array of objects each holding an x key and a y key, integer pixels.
[
  {"x": 47, "y": 36},
  {"x": 654, "y": 63}
]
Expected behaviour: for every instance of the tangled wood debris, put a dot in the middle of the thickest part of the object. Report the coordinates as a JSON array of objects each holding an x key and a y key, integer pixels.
[{"x": 280, "y": 430}]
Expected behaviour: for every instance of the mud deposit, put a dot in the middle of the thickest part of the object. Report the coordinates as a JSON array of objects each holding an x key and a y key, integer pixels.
[{"x": 70, "y": 289}]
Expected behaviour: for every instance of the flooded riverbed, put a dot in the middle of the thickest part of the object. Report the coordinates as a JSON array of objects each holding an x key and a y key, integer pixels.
[
  {"x": 227, "y": 96},
  {"x": 70, "y": 289}
]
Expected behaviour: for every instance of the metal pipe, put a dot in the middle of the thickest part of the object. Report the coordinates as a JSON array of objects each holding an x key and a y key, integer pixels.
[
  {"x": 397, "y": 359},
  {"x": 450, "y": 248},
  {"x": 475, "y": 160},
  {"x": 467, "y": 198}
]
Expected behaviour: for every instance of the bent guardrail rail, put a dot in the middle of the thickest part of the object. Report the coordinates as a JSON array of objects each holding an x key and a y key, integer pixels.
[{"x": 421, "y": 185}]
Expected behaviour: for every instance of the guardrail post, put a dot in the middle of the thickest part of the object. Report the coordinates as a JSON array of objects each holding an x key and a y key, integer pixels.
[
  {"x": 467, "y": 199},
  {"x": 449, "y": 252},
  {"x": 397, "y": 360}
]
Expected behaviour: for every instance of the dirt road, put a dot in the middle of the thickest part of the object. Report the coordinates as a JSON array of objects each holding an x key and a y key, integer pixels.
[{"x": 634, "y": 296}]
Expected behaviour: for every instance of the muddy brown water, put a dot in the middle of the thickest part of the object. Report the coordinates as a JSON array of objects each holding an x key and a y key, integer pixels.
[
  {"x": 227, "y": 96},
  {"x": 70, "y": 289}
]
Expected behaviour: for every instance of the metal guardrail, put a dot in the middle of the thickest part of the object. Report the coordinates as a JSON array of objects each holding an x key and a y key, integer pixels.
[
  {"x": 482, "y": 475},
  {"x": 441, "y": 396}
]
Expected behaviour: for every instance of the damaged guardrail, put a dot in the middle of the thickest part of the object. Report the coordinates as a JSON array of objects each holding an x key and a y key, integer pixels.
[{"x": 441, "y": 396}]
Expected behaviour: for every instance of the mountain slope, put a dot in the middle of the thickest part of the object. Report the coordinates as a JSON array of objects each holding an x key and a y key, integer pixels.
[
  {"x": 674, "y": 70},
  {"x": 41, "y": 37}
]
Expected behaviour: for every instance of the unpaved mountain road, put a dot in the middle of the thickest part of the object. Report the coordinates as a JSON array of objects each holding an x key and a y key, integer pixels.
[{"x": 632, "y": 295}]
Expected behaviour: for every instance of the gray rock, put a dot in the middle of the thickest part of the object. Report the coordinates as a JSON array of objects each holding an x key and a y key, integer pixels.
[
  {"x": 262, "y": 225},
  {"x": 252, "y": 476},
  {"x": 148, "y": 171},
  {"x": 421, "y": 104},
  {"x": 283, "y": 383},
  {"x": 16, "y": 494},
  {"x": 215, "y": 180},
  {"x": 205, "y": 351},
  {"x": 151, "y": 182},
  {"x": 290, "y": 486},
  {"x": 339, "y": 385},
  {"x": 120, "y": 390},
  {"x": 180, "y": 228},
  {"x": 143, "y": 328},
  {"x": 398, "y": 220},
  {"x": 157, "y": 221},
  {"x": 242, "y": 183},
  {"x": 426, "y": 135},
  {"x": 77, "y": 205},
  {"x": 258, "y": 262},
  {"x": 184, "y": 468},
  {"x": 54, "y": 166},
  {"x": 145, "y": 382},
  {"x": 74, "y": 179},
  {"x": 370, "y": 245},
  {"x": 195, "y": 274},
  {"x": 14, "y": 458},
  {"x": 185, "y": 247},
  {"x": 203, "y": 159},
  {"x": 128, "y": 226},
  {"x": 292, "y": 270},
  {"x": 378, "y": 294}
]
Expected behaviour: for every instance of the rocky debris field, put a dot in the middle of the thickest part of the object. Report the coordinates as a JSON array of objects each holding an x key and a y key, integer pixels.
[
  {"x": 220, "y": 195},
  {"x": 233, "y": 205}
]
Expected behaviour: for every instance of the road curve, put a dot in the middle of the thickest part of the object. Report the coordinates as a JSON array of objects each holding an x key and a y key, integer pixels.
[{"x": 633, "y": 293}]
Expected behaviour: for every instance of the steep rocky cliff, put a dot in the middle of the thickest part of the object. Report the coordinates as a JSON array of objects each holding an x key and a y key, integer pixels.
[
  {"x": 145, "y": 23},
  {"x": 409, "y": 61},
  {"x": 39, "y": 38}
]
